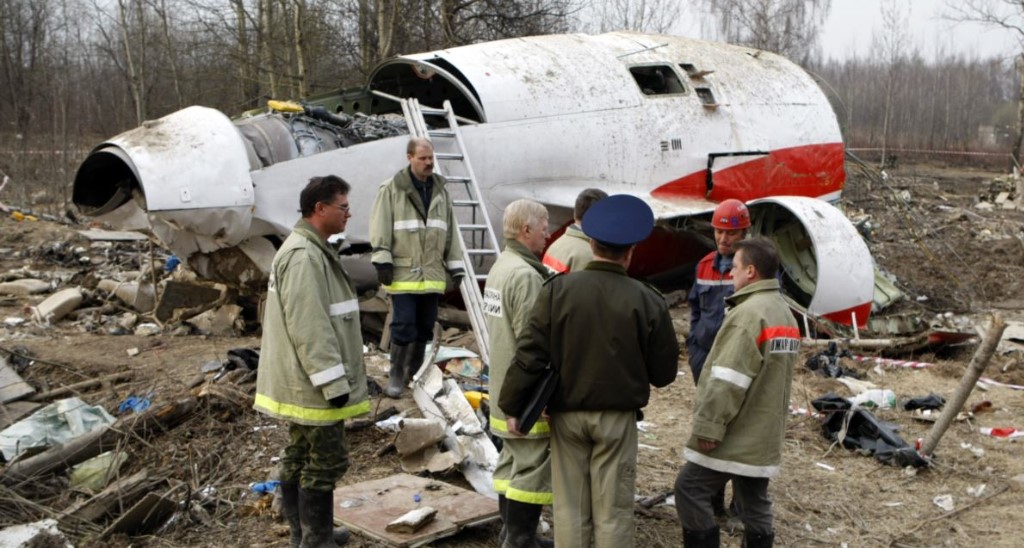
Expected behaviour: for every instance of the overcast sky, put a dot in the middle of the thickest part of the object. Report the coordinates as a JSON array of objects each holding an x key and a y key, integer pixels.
[{"x": 851, "y": 23}]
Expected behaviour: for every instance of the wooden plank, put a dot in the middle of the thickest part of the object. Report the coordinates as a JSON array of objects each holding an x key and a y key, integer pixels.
[
  {"x": 11, "y": 413},
  {"x": 148, "y": 514},
  {"x": 12, "y": 386},
  {"x": 368, "y": 507}
]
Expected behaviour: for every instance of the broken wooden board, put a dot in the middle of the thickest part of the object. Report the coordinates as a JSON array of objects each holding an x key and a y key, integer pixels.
[
  {"x": 11, "y": 413},
  {"x": 148, "y": 514},
  {"x": 368, "y": 508},
  {"x": 12, "y": 386}
]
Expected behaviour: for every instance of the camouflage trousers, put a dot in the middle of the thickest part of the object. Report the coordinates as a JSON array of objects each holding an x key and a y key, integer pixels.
[{"x": 317, "y": 456}]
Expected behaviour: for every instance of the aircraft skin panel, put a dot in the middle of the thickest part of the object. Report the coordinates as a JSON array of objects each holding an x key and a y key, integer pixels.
[
  {"x": 845, "y": 275},
  {"x": 215, "y": 172}
]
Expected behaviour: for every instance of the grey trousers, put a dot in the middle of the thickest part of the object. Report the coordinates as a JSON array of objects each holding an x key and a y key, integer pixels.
[{"x": 696, "y": 485}]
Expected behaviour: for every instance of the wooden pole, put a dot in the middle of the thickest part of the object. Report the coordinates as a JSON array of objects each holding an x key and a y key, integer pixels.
[{"x": 977, "y": 366}]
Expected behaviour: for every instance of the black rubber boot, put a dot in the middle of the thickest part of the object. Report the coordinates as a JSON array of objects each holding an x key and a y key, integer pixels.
[
  {"x": 503, "y": 511},
  {"x": 397, "y": 378},
  {"x": 290, "y": 508},
  {"x": 708, "y": 538},
  {"x": 316, "y": 514},
  {"x": 758, "y": 540},
  {"x": 415, "y": 359},
  {"x": 522, "y": 519}
]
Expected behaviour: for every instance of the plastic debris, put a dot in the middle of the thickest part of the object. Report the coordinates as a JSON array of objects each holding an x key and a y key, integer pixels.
[
  {"x": 95, "y": 473},
  {"x": 1008, "y": 433},
  {"x": 931, "y": 401},
  {"x": 264, "y": 487},
  {"x": 134, "y": 403},
  {"x": 944, "y": 501},
  {"x": 875, "y": 398},
  {"x": 57, "y": 423},
  {"x": 857, "y": 428}
]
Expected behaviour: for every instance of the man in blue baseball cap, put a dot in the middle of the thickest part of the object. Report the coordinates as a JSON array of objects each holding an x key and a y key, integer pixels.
[{"x": 609, "y": 338}]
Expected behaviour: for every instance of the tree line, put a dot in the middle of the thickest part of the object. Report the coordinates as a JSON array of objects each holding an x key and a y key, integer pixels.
[{"x": 75, "y": 71}]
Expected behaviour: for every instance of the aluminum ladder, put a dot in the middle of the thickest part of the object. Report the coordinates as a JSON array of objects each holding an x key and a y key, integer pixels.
[{"x": 479, "y": 244}]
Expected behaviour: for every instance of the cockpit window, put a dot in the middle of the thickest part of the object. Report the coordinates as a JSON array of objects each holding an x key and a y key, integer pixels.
[{"x": 657, "y": 80}]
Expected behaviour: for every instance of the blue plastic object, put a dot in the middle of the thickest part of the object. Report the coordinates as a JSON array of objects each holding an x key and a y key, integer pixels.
[
  {"x": 136, "y": 404},
  {"x": 172, "y": 262},
  {"x": 264, "y": 487}
]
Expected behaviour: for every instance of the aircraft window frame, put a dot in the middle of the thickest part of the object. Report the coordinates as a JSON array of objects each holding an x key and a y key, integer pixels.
[{"x": 670, "y": 86}]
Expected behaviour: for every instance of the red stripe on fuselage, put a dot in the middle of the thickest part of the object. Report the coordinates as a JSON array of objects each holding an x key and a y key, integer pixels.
[
  {"x": 845, "y": 317},
  {"x": 811, "y": 170},
  {"x": 778, "y": 332}
]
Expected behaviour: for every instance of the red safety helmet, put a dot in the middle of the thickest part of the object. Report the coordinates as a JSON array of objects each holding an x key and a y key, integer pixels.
[{"x": 731, "y": 214}]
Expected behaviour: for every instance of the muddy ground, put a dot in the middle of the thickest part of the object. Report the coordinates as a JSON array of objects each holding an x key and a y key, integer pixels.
[{"x": 925, "y": 229}]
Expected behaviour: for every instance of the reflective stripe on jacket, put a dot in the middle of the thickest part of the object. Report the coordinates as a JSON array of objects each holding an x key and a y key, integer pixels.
[
  {"x": 512, "y": 287},
  {"x": 743, "y": 395},
  {"x": 312, "y": 346},
  {"x": 420, "y": 243},
  {"x": 570, "y": 252}
]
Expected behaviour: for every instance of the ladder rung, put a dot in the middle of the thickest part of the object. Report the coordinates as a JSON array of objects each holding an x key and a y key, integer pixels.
[
  {"x": 441, "y": 133},
  {"x": 457, "y": 179},
  {"x": 448, "y": 155},
  {"x": 481, "y": 252},
  {"x": 473, "y": 227},
  {"x": 428, "y": 110},
  {"x": 465, "y": 203}
]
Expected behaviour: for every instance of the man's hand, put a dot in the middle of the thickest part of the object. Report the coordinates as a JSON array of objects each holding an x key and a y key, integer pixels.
[
  {"x": 338, "y": 402},
  {"x": 513, "y": 426},
  {"x": 385, "y": 273},
  {"x": 706, "y": 446}
]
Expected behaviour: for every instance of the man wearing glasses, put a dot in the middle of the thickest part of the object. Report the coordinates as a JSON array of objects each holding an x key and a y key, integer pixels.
[
  {"x": 412, "y": 231},
  {"x": 311, "y": 370}
]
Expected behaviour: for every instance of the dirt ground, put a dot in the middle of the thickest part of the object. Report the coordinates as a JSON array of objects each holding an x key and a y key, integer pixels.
[{"x": 925, "y": 229}]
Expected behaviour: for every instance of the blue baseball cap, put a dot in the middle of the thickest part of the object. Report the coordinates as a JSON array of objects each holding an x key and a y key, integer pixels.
[{"x": 619, "y": 220}]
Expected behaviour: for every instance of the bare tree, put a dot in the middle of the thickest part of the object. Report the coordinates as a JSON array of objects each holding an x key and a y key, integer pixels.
[
  {"x": 1007, "y": 15},
  {"x": 656, "y": 16},
  {"x": 890, "y": 45},
  {"x": 787, "y": 27}
]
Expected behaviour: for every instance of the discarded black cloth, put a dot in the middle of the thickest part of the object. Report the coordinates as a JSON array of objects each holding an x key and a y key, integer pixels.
[
  {"x": 865, "y": 432},
  {"x": 248, "y": 358},
  {"x": 931, "y": 401}
]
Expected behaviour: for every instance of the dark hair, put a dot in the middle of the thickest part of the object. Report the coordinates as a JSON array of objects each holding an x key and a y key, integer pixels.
[
  {"x": 321, "y": 189},
  {"x": 610, "y": 251},
  {"x": 586, "y": 199},
  {"x": 761, "y": 253}
]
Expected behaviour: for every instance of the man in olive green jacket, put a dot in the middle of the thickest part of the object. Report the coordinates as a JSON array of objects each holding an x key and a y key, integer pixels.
[
  {"x": 415, "y": 243},
  {"x": 739, "y": 417},
  {"x": 311, "y": 370},
  {"x": 571, "y": 251},
  {"x": 523, "y": 475},
  {"x": 609, "y": 338}
]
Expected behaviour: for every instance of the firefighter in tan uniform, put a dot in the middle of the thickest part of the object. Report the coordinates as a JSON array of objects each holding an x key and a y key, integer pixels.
[
  {"x": 571, "y": 251},
  {"x": 609, "y": 338},
  {"x": 311, "y": 371},
  {"x": 523, "y": 475},
  {"x": 415, "y": 245}
]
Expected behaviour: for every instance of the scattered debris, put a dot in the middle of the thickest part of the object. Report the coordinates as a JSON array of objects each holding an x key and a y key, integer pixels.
[{"x": 58, "y": 305}]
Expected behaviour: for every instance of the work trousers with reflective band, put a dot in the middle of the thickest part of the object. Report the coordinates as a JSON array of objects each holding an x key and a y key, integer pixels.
[
  {"x": 317, "y": 456},
  {"x": 413, "y": 316},
  {"x": 524, "y": 470},
  {"x": 593, "y": 476},
  {"x": 696, "y": 485}
]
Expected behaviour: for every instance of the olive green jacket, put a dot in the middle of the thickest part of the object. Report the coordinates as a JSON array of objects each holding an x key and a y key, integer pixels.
[
  {"x": 608, "y": 336},
  {"x": 743, "y": 394},
  {"x": 312, "y": 347},
  {"x": 421, "y": 243},
  {"x": 512, "y": 287}
]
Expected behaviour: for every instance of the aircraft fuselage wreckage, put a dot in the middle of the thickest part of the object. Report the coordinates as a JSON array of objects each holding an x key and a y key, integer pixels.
[{"x": 679, "y": 123}]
